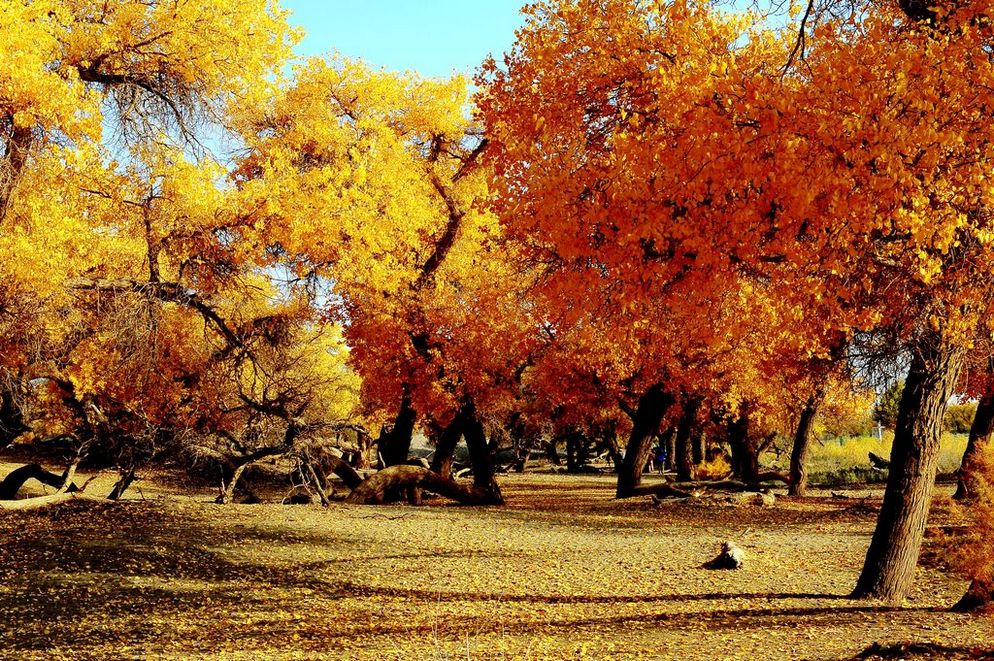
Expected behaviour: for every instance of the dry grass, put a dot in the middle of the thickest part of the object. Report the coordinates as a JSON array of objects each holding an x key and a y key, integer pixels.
[
  {"x": 835, "y": 462},
  {"x": 564, "y": 571}
]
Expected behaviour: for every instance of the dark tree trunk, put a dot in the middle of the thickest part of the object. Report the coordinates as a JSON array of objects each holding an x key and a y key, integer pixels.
[
  {"x": 980, "y": 434},
  {"x": 802, "y": 445},
  {"x": 17, "y": 477},
  {"x": 745, "y": 453},
  {"x": 889, "y": 568},
  {"x": 445, "y": 448},
  {"x": 395, "y": 445},
  {"x": 480, "y": 456},
  {"x": 551, "y": 452},
  {"x": 127, "y": 478},
  {"x": 652, "y": 406},
  {"x": 697, "y": 446},
  {"x": 669, "y": 439},
  {"x": 980, "y": 597},
  {"x": 572, "y": 463},
  {"x": 684, "y": 451}
]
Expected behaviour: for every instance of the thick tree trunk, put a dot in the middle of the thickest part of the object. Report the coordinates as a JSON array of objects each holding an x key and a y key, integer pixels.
[
  {"x": 653, "y": 405},
  {"x": 395, "y": 445},
  {"x": 980, "y": 597},
  {"x": 374, "y": 490},
  {"x": 980, "y": 434},
  {"x": 228, "y": 493},
  {"x": 551, "y": 452},
  {"x": 445, "y": 449},
  {"x": 745, "y": 453},
  {"x": 17, "y": 477},
  {"x": 802, "y": 445},
  {"x": 684, "y": 451},
  {"x": 889, "y": 568},
  {"x": 480, "y": 456}
]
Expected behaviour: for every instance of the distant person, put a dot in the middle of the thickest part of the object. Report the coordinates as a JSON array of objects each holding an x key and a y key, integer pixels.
[{"x": 661, "y": 459}]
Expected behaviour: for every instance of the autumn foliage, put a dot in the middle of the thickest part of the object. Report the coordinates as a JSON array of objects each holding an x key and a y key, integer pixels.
[{"x": 660, "y": 222}]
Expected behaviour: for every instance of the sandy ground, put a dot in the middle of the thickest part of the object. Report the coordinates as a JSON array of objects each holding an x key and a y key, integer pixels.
[{"x": 564, "y": 571}]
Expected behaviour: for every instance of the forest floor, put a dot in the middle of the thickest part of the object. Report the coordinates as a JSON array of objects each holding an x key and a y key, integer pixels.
[{"x": 563, "y": 571}]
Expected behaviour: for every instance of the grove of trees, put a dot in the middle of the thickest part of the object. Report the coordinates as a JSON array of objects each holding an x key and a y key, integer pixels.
[{"x": 648, "y": 223}]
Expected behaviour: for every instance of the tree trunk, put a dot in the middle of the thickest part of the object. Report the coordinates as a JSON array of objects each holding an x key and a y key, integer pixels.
[
  {"x": 980, "y": 434},
  {"x": 17, "y": 477},
  {"x": 745, "y": 453},
  {"x": 697, "y": 446},
  {"x": 480, "y": 456},
  {"x": 573, "y": 452},
  {"x": 551, "y": 452},
  {"x": 395, "y": 445},
  {"x": 348, "y": 475},
  {"x": 684, "y": 451},
  {"x": 445, "y": 449},
  {"x": 228, "y": 493},
  {"x": 364, "y": 444},
  {"x": 980, "y": 597},
  {"x": 669, "y": 438},
  {"x": 374, "y": 490},
  {"x": 122, "y": 485},
  {"x": 653, "y": 405},
  {"x": 802, "y": 445},
  {"x": 889, "y": 568}
]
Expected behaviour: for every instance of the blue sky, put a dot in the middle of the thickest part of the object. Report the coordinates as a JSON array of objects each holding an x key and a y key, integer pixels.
[{"x": 433, "y": 37}]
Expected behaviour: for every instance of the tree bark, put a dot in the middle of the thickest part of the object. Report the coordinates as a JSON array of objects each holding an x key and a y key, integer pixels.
[
  {"x": 374, "y": 490},
  {"x": 745, "y": 453},
  {"x": 802, "y": 446},
  {"x": 669, "y": 438},
  {"x": 445, "y": 449},
  {"x": 980, "y": 434},
  {"x": 888, "y": 570},
  {"x": 17, "y": 477},
  {"x": 395, "y": 445},
  {"x": 480, "y": 455},
  {"x": 684, "y": 451},
  {"x": 697, "y": 446},
  {"x": 652, "y": 406}
]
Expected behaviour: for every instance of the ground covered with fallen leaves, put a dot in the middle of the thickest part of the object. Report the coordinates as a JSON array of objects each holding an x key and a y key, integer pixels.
[{"x": 564, "y": 571}]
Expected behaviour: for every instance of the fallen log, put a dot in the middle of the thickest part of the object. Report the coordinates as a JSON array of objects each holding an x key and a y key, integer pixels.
[
  {"x": 374, "y": 489},
  {"x": 39, "y": 502},
  {"x": 17, "y": 477}
]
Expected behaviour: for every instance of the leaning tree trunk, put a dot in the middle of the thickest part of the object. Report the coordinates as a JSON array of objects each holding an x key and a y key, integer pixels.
[
  {"x": 445, "y": 449},
  {"x": 127, "y": 477},
  {"x": 395, "y": 445},
  {"x": 745, "y": 453},
  {"x": 17, "y": 477},
  {"x": 653, "y": 405},
  {"x": 979, "y": 597},
  {"x": 980, "y": 434},
  {"x": 375, "y": 489},
  {"x": 802, "y": 446},
  {"x": 889, "y": 568},
  {"x": 684, "y": 458}
]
